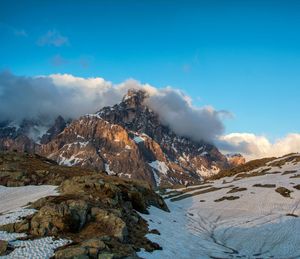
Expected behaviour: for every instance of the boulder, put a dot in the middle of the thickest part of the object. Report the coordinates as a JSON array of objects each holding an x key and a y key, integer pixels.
[
  {"x": 3, "y": 247},
  {"x": 112, "y": 223},
  {"x": 72, "y": 252},
  {"x": 52, "y": 219}
]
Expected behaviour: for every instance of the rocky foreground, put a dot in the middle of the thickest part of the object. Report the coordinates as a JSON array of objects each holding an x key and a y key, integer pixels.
[{"x": 98, "y": 213}]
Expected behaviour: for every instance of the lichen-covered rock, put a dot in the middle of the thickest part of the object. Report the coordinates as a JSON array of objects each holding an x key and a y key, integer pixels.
[
  {"x": 114, "y": 223},
  {"x": 3, "y": 247},
  {"x": 72, "y": 252}
]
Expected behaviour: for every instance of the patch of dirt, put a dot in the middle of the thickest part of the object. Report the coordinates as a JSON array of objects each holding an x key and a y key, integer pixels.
[
  {"x": 267, "y": 185},
  {"x": 237, "y": 189},
  {"x": 247, "y": 167},
  {"x": 228, "y": 198},
  {"x": 294, "y": 158},
  {"x": 173, "y": 194},
  {"x": 289, "y": 172},
  {"x": 295, "y": 176},
  {"x": 292, "y": 215},
  {"x": 187, "y": 195}
]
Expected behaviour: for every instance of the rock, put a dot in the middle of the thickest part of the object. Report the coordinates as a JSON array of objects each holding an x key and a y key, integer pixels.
[
  {"x": 95, "y": 243},
  {"x": 52, "y": 219},
  {"x": 137, "y": 201},
  {"x": 3, "y": 247},
  {"x": 283, "y": 191},
  {"x": 8, "y": 227},
  {"x": 72, "y": 252},
  {"x": 235, "y": 159},
  {"x": 115, "y": 225},
  {"x": 106, "y": 256}
]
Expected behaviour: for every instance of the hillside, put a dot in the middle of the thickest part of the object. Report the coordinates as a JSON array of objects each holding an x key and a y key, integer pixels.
[
  {"x": 86, "y": 213},
  {"x": 251, "y": 213}
]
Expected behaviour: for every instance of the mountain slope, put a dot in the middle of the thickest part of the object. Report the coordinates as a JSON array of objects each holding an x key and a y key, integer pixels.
[
  {"x": 254, "y": 212},
  {"x": 88, "y": 214}
]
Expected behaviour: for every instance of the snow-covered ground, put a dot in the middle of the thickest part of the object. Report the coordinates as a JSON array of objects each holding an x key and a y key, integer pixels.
[
  {"x": 14, "y": 197},
  {"x": 259, "y": 224},
  {"x": 12, "y": 200}
]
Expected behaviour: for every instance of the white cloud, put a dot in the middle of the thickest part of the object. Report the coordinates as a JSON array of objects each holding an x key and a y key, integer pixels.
[
  {"x": 70, "y": 96},
  {"x": 253, "y": 146},
  {"x": 53, "y": 38}
]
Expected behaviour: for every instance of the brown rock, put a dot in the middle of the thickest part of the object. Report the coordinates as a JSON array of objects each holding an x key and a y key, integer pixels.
[
  {"x": 72, "y": 252},
  {"x": 3, "y": 247}
]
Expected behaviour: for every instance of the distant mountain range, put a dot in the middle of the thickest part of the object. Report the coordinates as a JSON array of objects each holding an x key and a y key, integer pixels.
[{"x": 127, "y": 140}]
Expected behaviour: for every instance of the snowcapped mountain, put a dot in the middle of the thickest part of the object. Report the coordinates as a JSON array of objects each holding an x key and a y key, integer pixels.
[{"x": 127, "y": 140}]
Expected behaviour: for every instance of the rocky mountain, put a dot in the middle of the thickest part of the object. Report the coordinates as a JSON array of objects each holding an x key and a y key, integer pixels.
[{"x": 127, "y": 140}]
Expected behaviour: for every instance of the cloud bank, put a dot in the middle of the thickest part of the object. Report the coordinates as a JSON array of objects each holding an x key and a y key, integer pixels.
[
  {"x": 253, "y": 146},
  {"x": 46, "y": 97},
  {"x": 70, "y": 96}
]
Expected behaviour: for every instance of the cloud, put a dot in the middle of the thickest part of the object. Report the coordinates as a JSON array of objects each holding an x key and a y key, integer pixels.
[
  {"x": 53, "y": 38},
  {"x": 13, "y": 30},
  {"x": 70, "y": 96},
  {"x": 175, "y": 109},
  {"x": 46, "y": 97},
  {"x": 253, "y": 146}
]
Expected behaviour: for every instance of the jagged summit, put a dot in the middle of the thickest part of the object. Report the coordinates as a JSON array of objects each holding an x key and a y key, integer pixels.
[{"x": 134, "y": 98}]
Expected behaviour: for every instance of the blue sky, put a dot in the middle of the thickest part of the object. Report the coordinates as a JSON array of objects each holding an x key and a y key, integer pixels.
[{"x": 240, "y": 56}]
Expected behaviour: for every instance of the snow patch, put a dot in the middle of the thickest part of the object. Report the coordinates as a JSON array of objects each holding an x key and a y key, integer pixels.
[
  {"x": 257, "y": 225},
  {"x": 160, "y": 166},
  {"x": 37, "y": 248},
  {"x": 13, "y": 198},
  {"x": 109, "y": 172}
]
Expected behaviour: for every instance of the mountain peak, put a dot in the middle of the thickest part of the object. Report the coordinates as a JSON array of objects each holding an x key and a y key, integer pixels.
[{"x": 135, "y": 97}]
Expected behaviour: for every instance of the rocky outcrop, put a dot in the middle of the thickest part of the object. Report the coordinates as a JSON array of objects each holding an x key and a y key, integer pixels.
[
  {"x": 3, "y": 247},
  {"x": 235, "y": 159},
  {"x": 97, "y": 212}
]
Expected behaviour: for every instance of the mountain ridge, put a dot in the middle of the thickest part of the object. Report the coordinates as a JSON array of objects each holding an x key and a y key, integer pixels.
[{"x": 128, "y": 140}]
